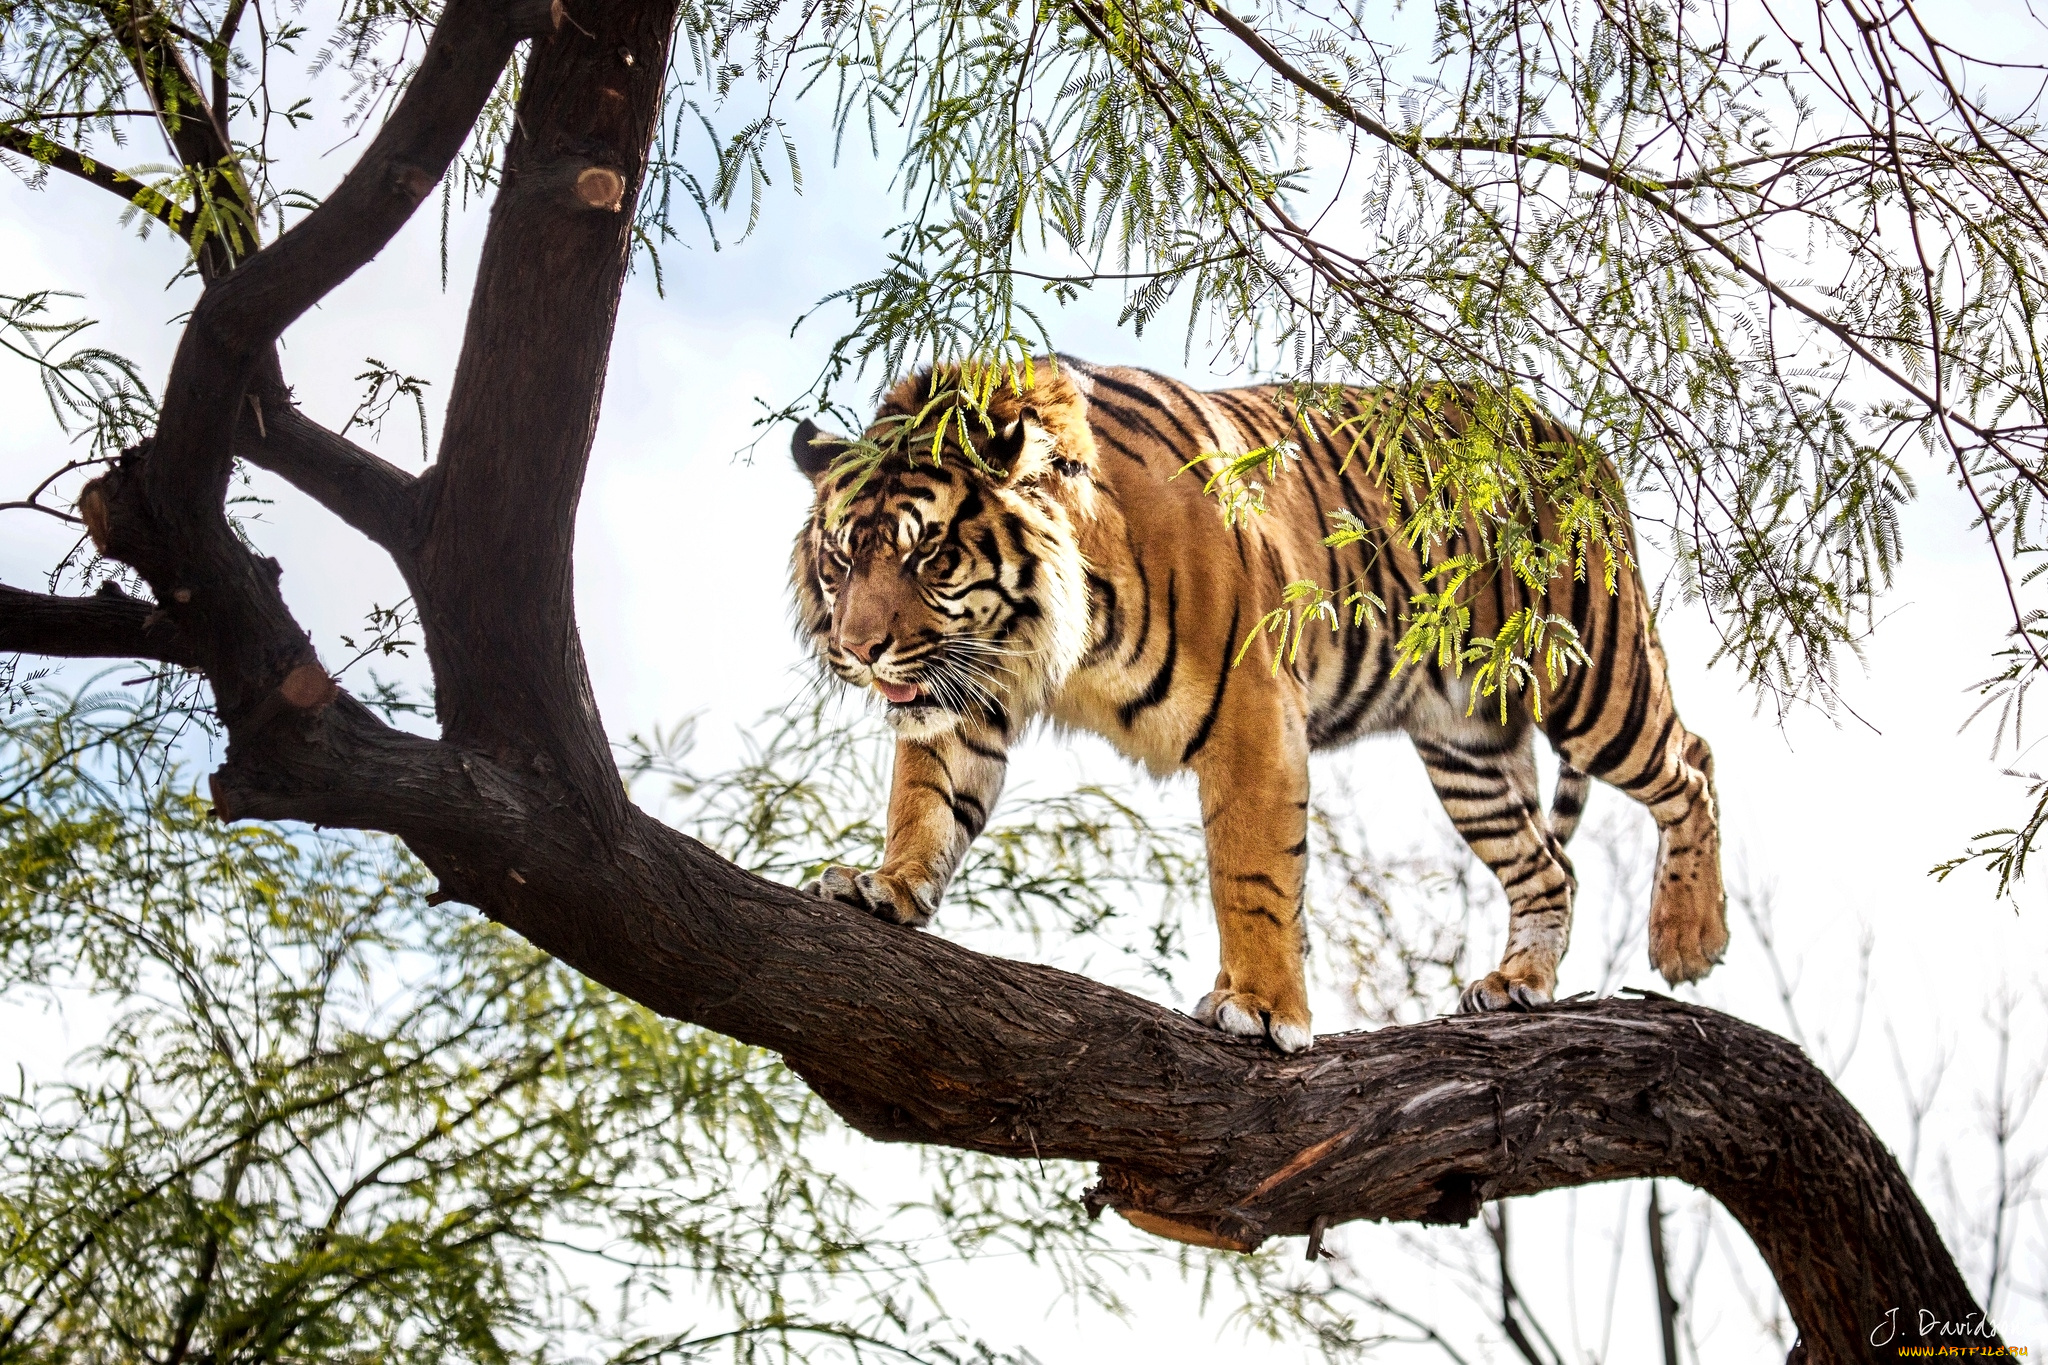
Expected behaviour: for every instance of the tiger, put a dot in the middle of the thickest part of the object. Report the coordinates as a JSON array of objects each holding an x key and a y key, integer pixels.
[{"x": 1061, "y": 573}]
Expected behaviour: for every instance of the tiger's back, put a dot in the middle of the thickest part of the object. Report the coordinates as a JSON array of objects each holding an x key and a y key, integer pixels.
[{"x": 1125, "y": 597}]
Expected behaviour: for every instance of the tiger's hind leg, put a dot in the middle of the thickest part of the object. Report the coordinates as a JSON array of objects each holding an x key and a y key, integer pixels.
[
  {"x": 1637, "y": 744},
  {"x": 1485, "y": 774},
  {"x": 1688, "y": 905}
]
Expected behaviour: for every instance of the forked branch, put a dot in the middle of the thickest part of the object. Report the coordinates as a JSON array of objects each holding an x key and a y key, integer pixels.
[{"x": 162, "y": 509}]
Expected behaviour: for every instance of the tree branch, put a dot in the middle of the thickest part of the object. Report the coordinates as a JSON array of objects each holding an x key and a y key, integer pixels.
[
  {"x": 245, "y": 312},
  {"x": 162, "y": 511},
  {"x": 374, "y": 496},
  {"x": 520, "y": 812},
  {"x": 108, "y": 625},
  {"x": 47, "y": 152},
  {"x": 1199, "y": 1137},
  {"x": 197, "y": 131}
]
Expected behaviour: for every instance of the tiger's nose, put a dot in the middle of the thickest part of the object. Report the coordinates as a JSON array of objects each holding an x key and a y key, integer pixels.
[{"x": 867, "y": 651}]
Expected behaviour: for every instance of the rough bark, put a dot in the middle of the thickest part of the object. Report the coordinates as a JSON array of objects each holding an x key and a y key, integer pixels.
[{"x": 518, "y": 809}]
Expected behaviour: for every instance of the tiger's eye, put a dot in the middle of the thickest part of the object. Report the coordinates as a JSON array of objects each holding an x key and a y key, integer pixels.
[{"x": 942, "y": 564}]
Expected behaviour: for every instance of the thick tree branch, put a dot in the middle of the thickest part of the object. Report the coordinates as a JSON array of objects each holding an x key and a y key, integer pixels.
[
  {"x": 108, "y": 625},
  {"x": 495, "y": 564},
  {"x": 242, "y": 314},
  {"x": 1198, "y": 1136},
  {"x": 374, "y": 496}
]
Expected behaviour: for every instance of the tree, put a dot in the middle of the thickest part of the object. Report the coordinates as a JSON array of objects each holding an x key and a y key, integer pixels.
[{"x": 1593, "y": 214}]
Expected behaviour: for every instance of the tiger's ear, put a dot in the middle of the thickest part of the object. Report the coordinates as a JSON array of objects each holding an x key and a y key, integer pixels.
[
  {"x": 815, "y": 451},
  {"x": 1025, "y": 450}
]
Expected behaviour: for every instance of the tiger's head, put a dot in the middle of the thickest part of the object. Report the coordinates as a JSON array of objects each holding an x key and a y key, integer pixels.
[{"x": 953, "y": 587}]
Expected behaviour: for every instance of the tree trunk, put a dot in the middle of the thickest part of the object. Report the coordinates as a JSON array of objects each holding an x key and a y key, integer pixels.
[{"x": 519, "y": 810}]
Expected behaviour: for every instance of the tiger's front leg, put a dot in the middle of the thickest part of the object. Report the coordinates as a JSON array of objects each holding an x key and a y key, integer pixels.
[
  {"x": 939, "y": 798},
  {"x": 1254, "y": 780}
]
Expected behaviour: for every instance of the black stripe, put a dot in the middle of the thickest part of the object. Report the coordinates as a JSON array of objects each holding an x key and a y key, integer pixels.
[
  {"x": 1157, "y": 403},
  {"x": 973, "y": 817},
  {"x": 1604, "y": 670},
  {"x": 1564, "y": 700},
  {"x": 1162, "y": 681},
  {"x": 1237, "y": 406},
  {"x": 1653, "y": 762},
  {"x": 1358, "y": 704},
  {"x": 1145, "y": 606},
  {"x": 992, "y": 755},
  {"x": 1356, "y": 637},
  {"x": 1223, "y": 671},
  {"x": 1657, "y": 796},
  {"x": 1493, "y": 827},
  {"x": 1537, "y": 867},
  {"x": 1273, "y": 564},
  {"x": 1617, "y": 748},
  {"x": 1172, "y": 405},
  {"x": 1436, "y": 757},
  {"x": 1102, "y": 596},
  {"x": 1115, "y": 440}
]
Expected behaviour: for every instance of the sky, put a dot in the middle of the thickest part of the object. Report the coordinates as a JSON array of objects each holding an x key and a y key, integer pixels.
[{"x": 683, "y": 543}]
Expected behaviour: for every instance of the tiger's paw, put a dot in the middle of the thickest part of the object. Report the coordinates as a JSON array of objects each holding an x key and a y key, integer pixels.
[
  {"x": 1686, "y": 947},
  {"x": 884, "y": 895},
  {"x": 1688, "y": 904},
  {"x": 1243, "y": 1015},
  {"x": 1497, "y": 991}
]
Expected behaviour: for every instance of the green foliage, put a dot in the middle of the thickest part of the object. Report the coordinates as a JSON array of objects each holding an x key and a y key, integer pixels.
[
  {"x": 1238, "y": 495},
  {"x": 1530, "y": 649},
  {"x": 383, "y": 387},
  {"x": 955, "y": 406},
  {"x": 2003, "y": 852},
  {"x": 1588, "y": 208},
  {"x": 325, "y": 1121},
  {"x": 1303, "y": 603},
  {"x": 92, "y": 392}
]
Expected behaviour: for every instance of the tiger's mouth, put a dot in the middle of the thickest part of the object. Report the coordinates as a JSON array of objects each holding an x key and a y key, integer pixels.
[{"x": 898, "y": 694}]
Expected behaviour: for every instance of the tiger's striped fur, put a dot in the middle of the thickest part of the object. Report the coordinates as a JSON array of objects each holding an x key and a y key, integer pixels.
[{"x": 1076, "y": 580}]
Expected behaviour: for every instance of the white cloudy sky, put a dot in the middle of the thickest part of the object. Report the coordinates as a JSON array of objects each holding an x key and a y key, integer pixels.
[{"x": 681, "y": 567}]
